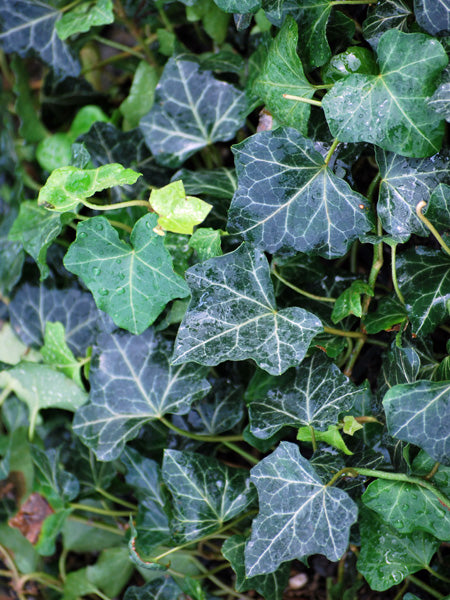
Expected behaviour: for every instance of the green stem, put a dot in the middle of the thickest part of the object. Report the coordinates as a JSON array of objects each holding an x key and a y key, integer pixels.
[
  {"x": 14, "y": 572},
  {"x": 425, "y": 587},
  {"x": 343, "y": 333},
  {"x": 433, "y": 471},
  {"x": 313, "y": 438},
  {"x": 402, "y": 590},
  {"x": 100, "y": 511},
  {"x": 299, "y": 290},
  {"x": 430, "y": 226},
  {"x": 162, "y": 15},
  {"x": 437, "y": 575},
  {"x": 42, "y": 578},
  {"x": 97, "y": 525},
  {"x": 70, "y": 6},
  {"x": 115, "y": 499},
  {"x": 118, "y": 224},
  {"x": 394, "y": 274},
  {"x": 6, "y": 392},
  {"x": 201, "y": 438},
  {"x": 117, "y": 205},
  {"x": 118, "y": 46},
  {"x": 300, "y": 99},
  {"x": 251, "y": 459},
  {"x": 330, "y": 153}
]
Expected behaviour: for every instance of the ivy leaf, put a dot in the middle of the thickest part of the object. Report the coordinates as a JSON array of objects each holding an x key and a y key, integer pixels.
[
  {"x": 177, "y": 212},
  {"x": 144, "y": 388},
  {"x": 440, "y": 101},
  {"x": 30, "y": 25},
  {"x": 161, "y": 588},
  {"x": 269, "y": 586},
  {"x": 40, "y": 386},
  {"x": 32, "y": 307},
  {"x": 408, "y": 507},
  {"x": 353, "y": 60},
  {"x": 218, "y": 183},
  {"x": 207, "y": 243},
  {"x": 232, "y": 316},
  {"x": 12, "y": 255},
  {"x": 36, "y": 229},
  {"x": 205, "y": 493},
  {"x": 239, "y": 6},
  {"x": 423, "y": 464},
  {"x": 192, "y": 110},
  {"x": 132, "y": 283},
  {"x": 349, "y": 302},
  {"x": 404, "y": 183},
  {"x": 54, "y": 483},
  {"x": 90, "y": 473},
  {"x": 288, "y": 199},
  {"x": 282, "y": 73},
  {"x": 419, "y": 413},
  {"x": 298, "y": 514},
  {"x": 332, "y": 437},
  {"x": 400, "y": 365},
  {"x": 58, "y": 355},
  {"x": 141, "y": 95},
  {"x": 390, "y": 109},
  {"x": 84, "y": 16},
  {"x": 424, "y": 280},
  {"x": 386, "y": 556},
  {"x": 68, "y": 186},
  {"x": 312, "y": 395},
  {"x": 383, "y": 16},
  {"x": 438, "y": 208},
  {"x": 433, "y": 16},
  {"x": 389, "y": 312}
]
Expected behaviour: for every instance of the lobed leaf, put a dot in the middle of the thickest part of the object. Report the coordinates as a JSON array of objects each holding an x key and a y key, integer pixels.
[{"x": 84, "y": 16}]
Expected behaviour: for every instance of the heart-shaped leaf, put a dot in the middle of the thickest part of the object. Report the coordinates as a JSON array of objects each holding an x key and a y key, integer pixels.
[
  {"x": 233, "y": 316},
  {"x": 57, "y": 353}
]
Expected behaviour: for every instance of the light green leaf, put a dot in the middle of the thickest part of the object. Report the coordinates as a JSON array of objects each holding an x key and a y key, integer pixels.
[
  {"x": 57, "y": 353},
  {"x": 132, "y": 283},
  {"x": 390, "y": 110},
  {"x": 419, "y": 413},
  {"x": 289, "y": 199},
  {"x": 84, "y": 119},
  {"x": 312, "y": 395},
  {"x": 51, "y": 528},
  {"x": 349, "y": 302},
  {"x": 298, "y": 514},
  {"x": 332, "y": 436},
  {"x": 177, "y": 212},
  {"x": 192, "y": 110},
  {"x": 205, "y": 493},
  {"x": 145, "y": 388},
  {"x": 12, "y": 349},
  {"x": 140, "y": 98},
  {"x": 282, "y": 73},
  {"x": 40, "y": 386},
  {"x": 84, "y": 16},
  {"x": 206, "y": 242},
  {"x": 386, "y": 556},
  {"x": 269, "y": 586},
  {"x": 54, "y": 151},
  {"x": 111, "y": 572},
  {"x": 233, "y": 316},
  {"x": 68, "y": 186},
  {"x": 36, "y": 229},
  {"x": 31, "y": 127},
  {"x": 408, "y": 508}
]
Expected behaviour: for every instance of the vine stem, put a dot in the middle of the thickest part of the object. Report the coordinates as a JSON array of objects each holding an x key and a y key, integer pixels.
[
  {"x": 6, "y": 392},
  {"x": 118, "y": 224},
  {"x": 299, "y": 290},
  {"x": 14, "y": 572},
  {"x": 430, "y": 226},
  {"x": 100, "y": 511},
  {"x": 116, "y": 206},
  {"x": 118, "y": 46},
  {"x": 97, "y": 524},
  {"x": 300, "y": 99},
  {"x": 251, "y": 459},
  {"x": 201, "y": 438},
  {"x": 343, "y": 333},
  {"x": 436, "y": 574},
  {"x": 425, "y": 587},
  {"x": 116, "y": 499},
  {"x": 43, "y": 578},
  {"x": 354, "y": 471},
  {"x": 330, "y": 152},
  {"x": 394, "y": 274}
]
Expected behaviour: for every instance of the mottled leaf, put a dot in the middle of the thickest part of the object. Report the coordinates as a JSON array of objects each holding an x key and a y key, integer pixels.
[
  {"x": 28, "y": 25},
  {"x": 84, "y": 16},
  {"x": 354, "y": 60},
  {"x": 406, "y": 182},
  {"x": 218, "y": 183},
  {"x": 433, "y": 16},
  {"x": 132, "y": 283},
  {"x": 270, "y": 586},
  {"x": 177, "y": 212},
  {"x": 161, "y": 588},
  {"x": 232, "y": 316},
  {"x": 192, "y": 110},
  {"x": 298, "y": 514},
  {"x": 383, "y": 16},
  {"x": 314, "y": 395},
  {"x": 386, "y": 556},
  {"x": 390, "y": 109},
  {"x": 419, "y": 413},
  {"x": 206, "y": 493},
  {"x": 133, "y": 382},
  {"x": 239, "y": 6},
  {"x": 288, "y": 199}
]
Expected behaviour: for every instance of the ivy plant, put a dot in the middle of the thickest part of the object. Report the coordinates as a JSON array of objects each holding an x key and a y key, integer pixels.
[{"x": 224, "y": 299}]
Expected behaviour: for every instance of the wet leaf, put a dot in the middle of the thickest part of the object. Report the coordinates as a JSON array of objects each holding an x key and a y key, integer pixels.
[
  {"x": 433, "y": 16},
  {"x": 58, "y": 355},
  {"x": 386, "y": 15}
]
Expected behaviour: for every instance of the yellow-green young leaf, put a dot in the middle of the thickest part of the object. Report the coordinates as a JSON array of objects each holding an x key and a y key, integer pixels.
[
  {"x": 332, "y": 437},
  {"x": 140, "y": 98},
  {"x": 177, "y": 212},
  {"x": 351, "y": 425},
  {"x": 84, "y": 16},
  {"x": 57, "y": 353},
  {"x": 68, "y": 186}
]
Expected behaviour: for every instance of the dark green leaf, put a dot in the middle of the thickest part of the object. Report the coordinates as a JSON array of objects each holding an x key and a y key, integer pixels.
[
  {"x": 438, "y": 209},
  {"x": 424, "y": 279},
  {"x": 406, "y": 182},
  {"x": 383, "y": 16},
  {"x": 31, "y": 127},
  {"x": 145, "y": 387},
  {"x": 288, "y": 199},
  {"x": 389, "y": 312},
  {"x": 84, "y": 16},
  {"x": 400, "y": 365},
  {"x": 282, "y": 73},
  {"x": 162, "y": 588},
  {"x": 440, "y": 101},
  {"x": 386, "y": 556},
  {"x": 269, "y": 586},
  {"x": 408, "y": 508},
  {"x": 90, "y": 472},
  {"x": 349, "y": 302},
  {"x": 192, "y": 110},
  {"x": 298, "y": 514},
  {"x": 313, "y": 395},
  {"x": 419, "y": 413},
  {"x": 132, "y": 283},
  {"x": 205, "y": 493},
  {"x": 12, "y": 255},
  {"x": 423, "y": 464},
  {"x": 218, "y": 183},
  {"x": 239, "y": 6},
  {"x": 433, "y": 16},
  {"x": 36, "y": 229},
  {"x": 30, "y": 25},
  {"x": 391, "y": 109},
  {"x": 232, "y": 316},
  {"x": 57, "y": 485}
]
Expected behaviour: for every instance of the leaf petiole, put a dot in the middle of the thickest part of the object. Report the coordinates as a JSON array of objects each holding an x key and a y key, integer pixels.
[
  {"x": 299, "y": 290},
  {"x": 430, "y": 226},
  {"x": 201, "y": 438},
  {"x": 116, "y": 206},
  {"x": 300, "y": 99},
  {"x": 394, "y": 274}
]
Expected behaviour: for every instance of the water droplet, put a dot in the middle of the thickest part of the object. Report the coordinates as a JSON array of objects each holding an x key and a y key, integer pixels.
[
  {"x": 121, "y": 276},
  {"x": 96, "y": 271},
  {"x": 103, "y": 292},
  {"x": 405, "y": 507},
  {"x": 121, "y": 291},
  {"x": 99, "y": 227},
  {"x": 118, "y": 261},
  {"x": 398, "y": 524},
  {"x": 82, "y": 235}
]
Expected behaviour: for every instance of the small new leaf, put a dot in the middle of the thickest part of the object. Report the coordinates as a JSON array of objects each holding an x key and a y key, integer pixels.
[{"x": 349, "y": 302}]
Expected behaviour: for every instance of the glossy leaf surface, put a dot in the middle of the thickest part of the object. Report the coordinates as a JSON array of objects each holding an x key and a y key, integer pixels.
[
  {"x": 232, "y": 316},
  {"x": 84, "y": 16},
  {"x": 298, "y": 515},
  {"x": 57, "y": 353},
  {"x": 384, "y": 16},
  {"x": 438, "y": 209},
  {"x": 177, "y": 212},
  {"x": 218, "y": 183}
]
